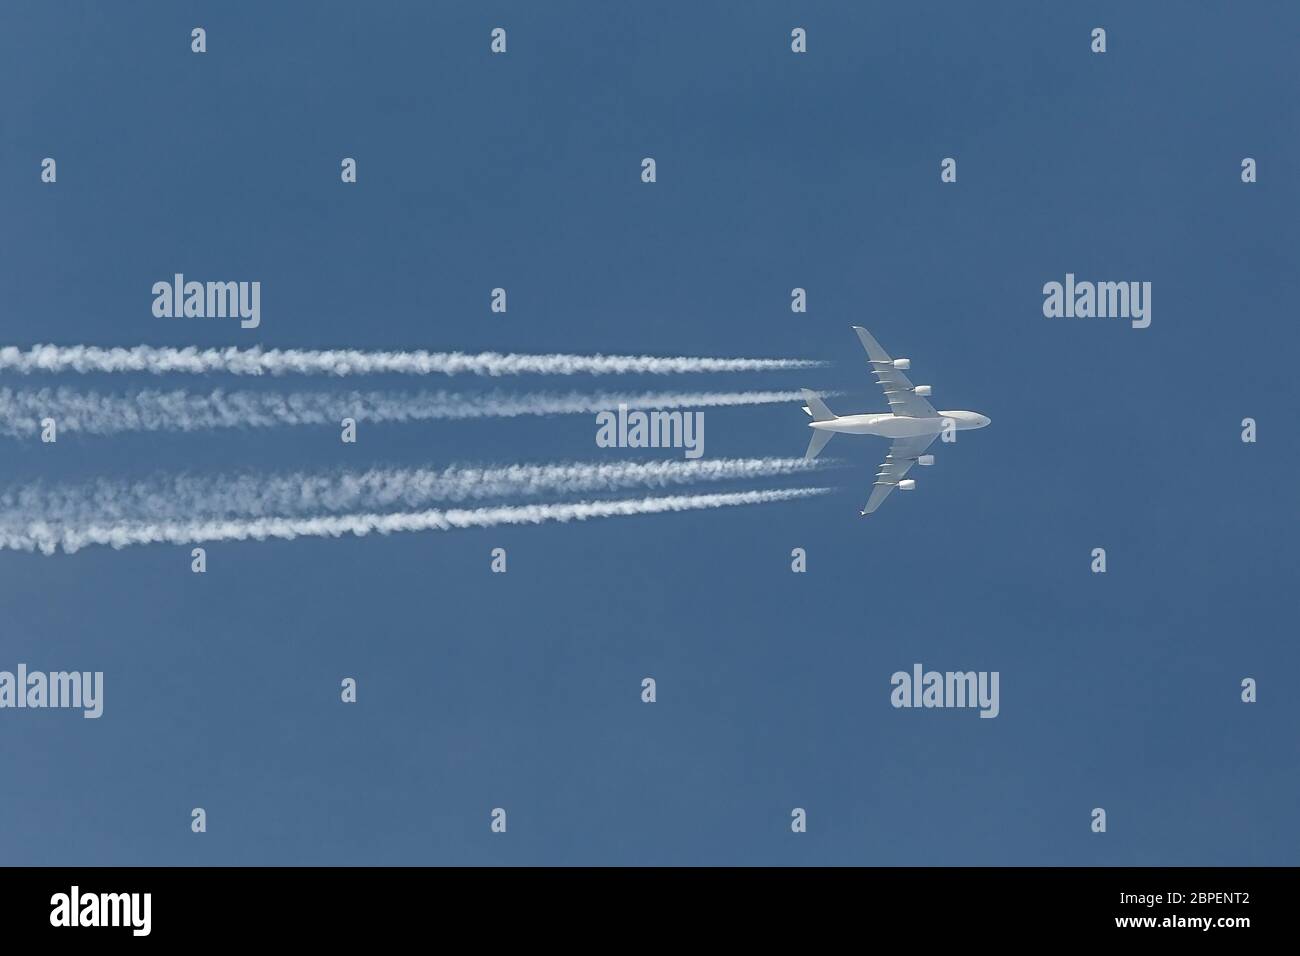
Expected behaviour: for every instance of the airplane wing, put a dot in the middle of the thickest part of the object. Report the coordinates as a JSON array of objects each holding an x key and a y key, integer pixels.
[
  {"x": 898, "y": 390},
  {"x": 902, "y": 456}
]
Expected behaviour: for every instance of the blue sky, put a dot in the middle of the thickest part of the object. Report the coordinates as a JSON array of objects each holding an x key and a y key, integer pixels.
[{"x": 774, "y": 171}]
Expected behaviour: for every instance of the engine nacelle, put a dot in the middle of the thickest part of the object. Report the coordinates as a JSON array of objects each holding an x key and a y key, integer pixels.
[
  {"x": 907, "y": 484},
  {"x": 925, "y": 460},
  {"x": 922, "y": 390},
  {"x": 902, "y": 364}
]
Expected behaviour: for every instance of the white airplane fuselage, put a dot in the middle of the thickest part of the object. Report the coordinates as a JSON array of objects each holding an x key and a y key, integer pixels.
[{"x": 888, "y": 425}]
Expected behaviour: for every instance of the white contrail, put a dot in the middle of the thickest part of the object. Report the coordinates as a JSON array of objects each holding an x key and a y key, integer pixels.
[
  {"x": 175, "y": 497},
  {"x": 22, "y": 410},
  {"x": 256, "y": 361},
  {"x": 49, "y": 539}
]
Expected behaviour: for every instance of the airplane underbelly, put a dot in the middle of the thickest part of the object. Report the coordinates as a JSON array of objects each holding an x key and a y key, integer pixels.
[
  {"x": 908, "y": 427},
  {"x": 886, "y": 426}
]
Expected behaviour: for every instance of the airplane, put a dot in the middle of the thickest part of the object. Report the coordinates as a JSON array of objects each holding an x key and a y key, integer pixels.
[{"x": 911, "y": 422}]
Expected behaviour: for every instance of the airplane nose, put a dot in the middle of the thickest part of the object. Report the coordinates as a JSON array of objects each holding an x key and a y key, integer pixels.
[{"x": 986, "y": 420}]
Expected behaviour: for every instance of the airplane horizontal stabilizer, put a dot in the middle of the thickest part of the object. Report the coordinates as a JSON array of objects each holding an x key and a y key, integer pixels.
[{"x": 819, "y": 439}]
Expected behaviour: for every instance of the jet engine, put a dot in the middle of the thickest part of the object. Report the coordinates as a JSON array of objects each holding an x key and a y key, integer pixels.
[
  {"x": 907, "y": 484},
  {"x": 922, "y": 390},
  {"x": 925, "y": 460},
  {"x": 902, "y": 364}
]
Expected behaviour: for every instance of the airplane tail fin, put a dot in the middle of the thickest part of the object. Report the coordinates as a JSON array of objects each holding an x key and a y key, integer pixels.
[
  {"x": 816, "y": 407},
  {"x": 820, "y": 437}
]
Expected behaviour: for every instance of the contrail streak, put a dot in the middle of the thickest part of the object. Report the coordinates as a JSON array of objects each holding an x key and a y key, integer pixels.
[
  {"x": 96, "y": 413},
  {"x": 178, "y": 497},
  {"x": 256, "y": 361},
  {"x": 49, "y": 540}
]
